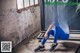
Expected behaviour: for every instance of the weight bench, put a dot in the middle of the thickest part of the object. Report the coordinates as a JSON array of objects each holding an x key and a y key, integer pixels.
[{"x": 41, "y": 35}]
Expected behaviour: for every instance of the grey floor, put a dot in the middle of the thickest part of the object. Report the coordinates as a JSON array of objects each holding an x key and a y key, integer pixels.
[{"x": 67, "y": 46}]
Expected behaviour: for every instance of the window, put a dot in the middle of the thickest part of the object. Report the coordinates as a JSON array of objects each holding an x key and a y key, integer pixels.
[
  {"x": 26, "y": 3},
  {"x": 36, "y": 1},
  {"x": 31, "y": 2},
  {"x": 21, "y": 4}
]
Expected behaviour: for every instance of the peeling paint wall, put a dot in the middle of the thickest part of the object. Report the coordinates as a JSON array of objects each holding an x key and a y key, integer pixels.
[{"x": 17, "y": 26}]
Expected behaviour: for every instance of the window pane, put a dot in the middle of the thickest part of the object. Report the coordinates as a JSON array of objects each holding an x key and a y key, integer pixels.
[
  {"x": 20, "y": 4},
  {"x": 26, "y": 3},
  {"x": 36, "y": 1},
  {"x": 31, "y": 2}
]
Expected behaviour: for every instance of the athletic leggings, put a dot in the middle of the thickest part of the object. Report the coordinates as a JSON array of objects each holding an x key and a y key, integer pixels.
[{"x": 57, "y": 33}]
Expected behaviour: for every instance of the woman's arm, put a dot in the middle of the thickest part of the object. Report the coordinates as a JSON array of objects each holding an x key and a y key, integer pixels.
[{"x": 49, "y": 28}]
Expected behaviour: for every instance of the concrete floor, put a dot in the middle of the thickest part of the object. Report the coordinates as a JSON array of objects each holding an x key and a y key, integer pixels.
[{"x": 28, "y": 46}]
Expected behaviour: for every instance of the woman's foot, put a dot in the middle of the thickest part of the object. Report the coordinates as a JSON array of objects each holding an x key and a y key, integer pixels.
[
  {"x": 39, "y": 48},
  {"x": 53, "y": 47}
]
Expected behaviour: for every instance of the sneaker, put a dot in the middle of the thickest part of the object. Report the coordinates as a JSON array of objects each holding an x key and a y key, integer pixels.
[
  {"x": 53, "y": 47},
  {"x": 39, "y": 48}
]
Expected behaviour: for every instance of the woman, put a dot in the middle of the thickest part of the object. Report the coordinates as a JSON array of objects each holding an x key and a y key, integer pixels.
[{"x": 55, "y": 31}]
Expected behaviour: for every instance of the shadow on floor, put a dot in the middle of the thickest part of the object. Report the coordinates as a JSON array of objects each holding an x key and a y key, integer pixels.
[
  {"x": 68, "y": 47},
  {"x": 78, "y": 50}
]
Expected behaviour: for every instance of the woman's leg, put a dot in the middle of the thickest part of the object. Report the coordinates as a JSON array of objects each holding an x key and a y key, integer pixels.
[
  {"x": 54, "y": 40},
  {"x": 55, "y": 35},
  {"x": 41, "y": 47},
  {"x": 62, "y": 34},
  {"x": 47, "y": 36}
]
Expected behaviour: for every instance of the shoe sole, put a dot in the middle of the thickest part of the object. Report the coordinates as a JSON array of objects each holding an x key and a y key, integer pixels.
[{"x": 39, "y": 50}]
